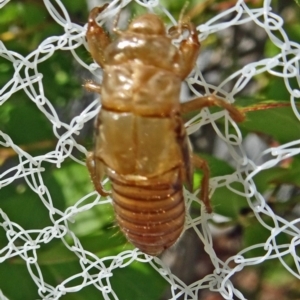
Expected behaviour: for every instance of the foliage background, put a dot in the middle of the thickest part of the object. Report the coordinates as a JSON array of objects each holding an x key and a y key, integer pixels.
[{"x": 23, "y": 26}]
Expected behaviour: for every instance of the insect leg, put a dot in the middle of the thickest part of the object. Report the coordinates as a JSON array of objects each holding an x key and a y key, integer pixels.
[
  {"x": 116, "y": 20},
  {"x": 96, "y": 37},
  {"x": 96, "y": 172},
  {"x": 92, "y": 86},
  {"x": 204, "y": 193},
  {"x": 186, "y": 151},
  {"x": 189, "y": 48},
  {"x": 212, "y": 100}
]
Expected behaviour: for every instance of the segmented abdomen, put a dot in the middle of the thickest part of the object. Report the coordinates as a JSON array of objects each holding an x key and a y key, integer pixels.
[{"x": 150, "y": 212}]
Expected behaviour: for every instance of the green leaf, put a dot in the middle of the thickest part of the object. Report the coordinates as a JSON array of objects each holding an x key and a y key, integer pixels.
[
  {"x": 16, "y": 283},
  {"x": 105, "y": 242},
  {"x": 75, "y": 183},
  {"x": 138, "y": 281},
  {"x": 224, "y": 201},
  {"x": 33, "y": 15},
  {"x": 25, "y": 207},
  {"x": 297, "y": 2},
  {"x": 218, "y": 167},
  {"x": 277, "y": 176},
  {"x": 254, "y": 233},
  {"x": 227, "y": 203},
  {"x": 9, "y": 13},
  {"x": 76, "y": 7},
  {"x": 24, "y": 130},
  {"x": 273, "y": 118}
]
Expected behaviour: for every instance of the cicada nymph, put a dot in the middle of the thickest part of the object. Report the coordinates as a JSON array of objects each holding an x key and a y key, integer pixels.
[{"x": 141, "y": 142}]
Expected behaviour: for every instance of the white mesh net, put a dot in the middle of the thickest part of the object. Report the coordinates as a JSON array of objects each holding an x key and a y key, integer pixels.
[{"x": 27, "y": 246}]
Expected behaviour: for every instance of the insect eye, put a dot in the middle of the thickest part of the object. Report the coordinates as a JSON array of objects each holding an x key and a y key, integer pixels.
[{"x": 176, "y": 31}]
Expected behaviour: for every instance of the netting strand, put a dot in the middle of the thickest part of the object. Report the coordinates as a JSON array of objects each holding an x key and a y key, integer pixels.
[{"x": 98, "y": 271}]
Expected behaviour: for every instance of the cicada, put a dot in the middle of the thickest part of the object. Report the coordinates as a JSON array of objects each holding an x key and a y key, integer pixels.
[{"x": 140, "y": 139}]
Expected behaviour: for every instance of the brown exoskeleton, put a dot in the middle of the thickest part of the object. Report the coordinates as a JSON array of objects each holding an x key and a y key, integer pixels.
[{"x": 141, "y": 142}]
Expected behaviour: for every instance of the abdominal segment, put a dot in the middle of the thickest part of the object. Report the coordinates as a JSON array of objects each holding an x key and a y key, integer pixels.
[{"x": 151, "y": 212}]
